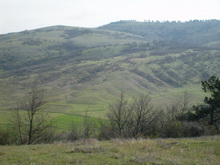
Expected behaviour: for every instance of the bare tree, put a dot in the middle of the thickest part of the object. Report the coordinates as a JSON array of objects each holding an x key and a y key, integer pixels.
[
  {"x": 179, "y": 107},
  {"x": 34, "y": 126},
  {"x": 136, "y": 118},
  {"x": 144, "y": 114},
  {"x": 184, "y": 102},
  {"x": 174, "y": 123},
  {"x": 119, "y": 116},
  {"x": 74, "y": 133},
  {"x": 18, "y": 124},
  {"x": 88, "y": 126}
]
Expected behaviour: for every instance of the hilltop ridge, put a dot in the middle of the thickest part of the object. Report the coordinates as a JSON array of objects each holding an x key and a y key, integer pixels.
[{"x": 195, "y": 32}]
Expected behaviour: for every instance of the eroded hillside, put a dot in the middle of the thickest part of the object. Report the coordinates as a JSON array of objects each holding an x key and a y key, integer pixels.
[{"x": 85, "y": 69}]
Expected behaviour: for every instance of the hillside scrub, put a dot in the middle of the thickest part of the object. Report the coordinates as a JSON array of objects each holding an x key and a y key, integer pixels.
[{"x": 139, "y": 118}]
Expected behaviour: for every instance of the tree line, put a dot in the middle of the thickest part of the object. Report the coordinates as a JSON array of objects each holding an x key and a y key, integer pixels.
[{"x": 30, "y": 122}]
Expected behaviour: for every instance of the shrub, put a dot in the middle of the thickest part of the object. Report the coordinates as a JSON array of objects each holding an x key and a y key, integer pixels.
[
  {"x": 73, "y": 134},
  {"x": 172, "y": 129},
  {"x": 193, "y": 129},
  {"x": 7, "y": 136}
]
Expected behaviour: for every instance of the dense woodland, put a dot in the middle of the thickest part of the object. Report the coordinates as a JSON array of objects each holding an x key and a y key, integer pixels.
[{"x": 130, "y": 69}]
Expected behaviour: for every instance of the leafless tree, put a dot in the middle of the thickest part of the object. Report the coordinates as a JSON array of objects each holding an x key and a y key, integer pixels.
[
  {"x": 179, "y": 107},
  {"x": 130, "y": 120},
  {"x": 88, "y": 126},
  {"x": 144, "y": 115},
  {"x": 74, "y": 133},
  {"x": 174, "y": 121},
  {"x": 184, "y": 102},
  {"x": 35, "y": 125},
  {"x": 119, "y": 116},
  {"x": 18, "y": 124}
]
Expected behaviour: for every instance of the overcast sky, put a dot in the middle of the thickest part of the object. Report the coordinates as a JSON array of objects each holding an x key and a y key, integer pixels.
[{"x": 19, "y": 15}]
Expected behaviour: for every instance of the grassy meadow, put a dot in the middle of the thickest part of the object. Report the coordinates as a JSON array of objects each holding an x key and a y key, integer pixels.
[{"x": 191, "y": 151}]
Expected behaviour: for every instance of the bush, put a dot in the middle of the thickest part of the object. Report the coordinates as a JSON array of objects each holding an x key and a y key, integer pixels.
[
  {"x": 193, "y": 129},
  {"x": 172, "y": 129},
  {"x": 177, "y": 129},
  {"x": 7, "y": 136},
  {"x": 105, "y": 131},
  {"x": 73, "y": 134}
]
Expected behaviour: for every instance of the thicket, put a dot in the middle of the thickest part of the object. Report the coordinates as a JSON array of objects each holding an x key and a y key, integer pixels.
[{"x": 139, "y": 118}]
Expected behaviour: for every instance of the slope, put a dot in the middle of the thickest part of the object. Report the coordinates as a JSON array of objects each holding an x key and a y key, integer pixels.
[{"x": 86, "y": 69}]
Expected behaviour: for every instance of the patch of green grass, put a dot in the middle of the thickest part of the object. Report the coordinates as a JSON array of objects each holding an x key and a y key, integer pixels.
[
  {"x": 65, "y": 121},
  {"x": 80, "y": 108}
]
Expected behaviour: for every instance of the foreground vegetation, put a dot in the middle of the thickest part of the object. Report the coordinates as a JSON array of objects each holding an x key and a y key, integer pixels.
[{"x": 192, "y": 151}]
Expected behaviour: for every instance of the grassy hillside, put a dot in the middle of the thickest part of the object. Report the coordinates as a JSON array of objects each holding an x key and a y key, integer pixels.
[
  {"x": 86, "y": 69},
  {"x": 196, "y": 151}
]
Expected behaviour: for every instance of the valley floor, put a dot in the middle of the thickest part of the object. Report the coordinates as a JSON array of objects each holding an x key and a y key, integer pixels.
[{"x": 201, "y": 151}]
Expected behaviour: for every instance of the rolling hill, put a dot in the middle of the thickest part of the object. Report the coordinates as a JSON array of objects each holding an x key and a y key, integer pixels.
[{"x": 85, "y": 69}]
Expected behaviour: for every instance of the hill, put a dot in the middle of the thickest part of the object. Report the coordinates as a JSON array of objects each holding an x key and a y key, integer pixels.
[{"x": 85, "y": 69}]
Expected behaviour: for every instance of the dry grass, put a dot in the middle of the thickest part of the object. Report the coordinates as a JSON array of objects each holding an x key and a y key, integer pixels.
[{"x": 201, "y": 151}]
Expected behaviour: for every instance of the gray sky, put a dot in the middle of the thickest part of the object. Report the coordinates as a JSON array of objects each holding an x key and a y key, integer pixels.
[{"x": 19, "y": 15}]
